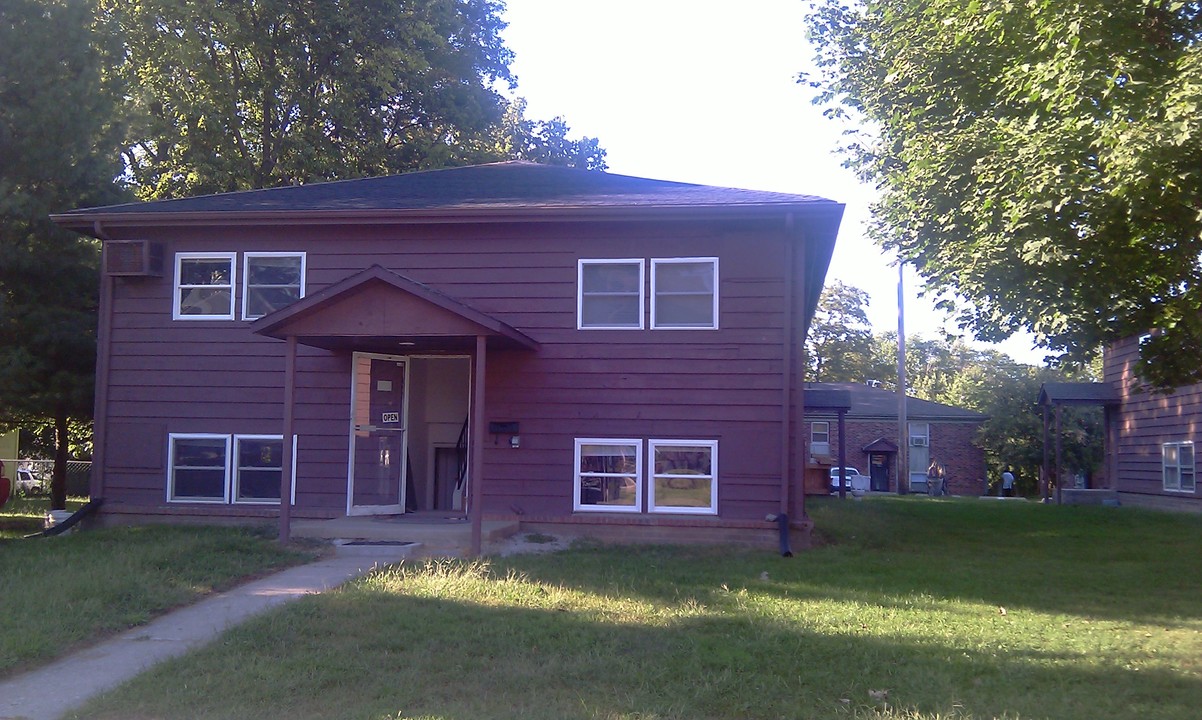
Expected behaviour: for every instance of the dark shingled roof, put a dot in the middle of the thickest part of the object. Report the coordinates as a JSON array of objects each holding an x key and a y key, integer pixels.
[
  {"x": 506, "y": 186},
  {"x": 1092, "y": 393},
  {"x": 875, "y": 403}
]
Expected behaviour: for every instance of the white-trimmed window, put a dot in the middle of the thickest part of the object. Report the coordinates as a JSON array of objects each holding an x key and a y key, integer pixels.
[
  {"x": 608, "y": 475},
  {"x": 198, "y": 468},
  {"x": 684, "y": 293},
  {"x": 1177, "y": 462},
  {"x": 204, "y": 286},
  {"x": 684, "y": 477},
  {"x": 610, "y": 294},
  {"x": 270, "y": 281},
  {"x": 258, "y": 463},
  {"x": 820, "y": 437},
  {"x": 217, "y": 468}
]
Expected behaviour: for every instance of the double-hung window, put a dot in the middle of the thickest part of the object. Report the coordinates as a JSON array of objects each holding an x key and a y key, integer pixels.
[
  {"x": 215, "y": 468},
  {"x": 198, "y": 468},
  {"x": 204, "y": 286},
  {"x": 1177, "y": 463},
  {"x": 610, "y": 294},
  {"x": 271, "y": 281},
  {"x": 820, "y": 437},
  {"x": 682, "y": 476},
  {"x": 608, "y": 474},
  {"x": 684, "y": 293},
  {"x": 257, "y": 469}
]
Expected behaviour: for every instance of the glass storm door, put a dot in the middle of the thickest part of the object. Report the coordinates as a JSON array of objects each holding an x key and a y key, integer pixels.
[{"x": 378, "y": 443}]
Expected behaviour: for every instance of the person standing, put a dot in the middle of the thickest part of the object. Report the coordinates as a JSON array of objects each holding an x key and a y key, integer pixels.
[{"x": 1007, "y": 483}]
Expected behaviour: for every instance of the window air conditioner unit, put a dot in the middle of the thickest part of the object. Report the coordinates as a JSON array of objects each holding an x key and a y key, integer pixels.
[
  {"x": 133, "y": 258},
  {"x": 918, "y": 442}
]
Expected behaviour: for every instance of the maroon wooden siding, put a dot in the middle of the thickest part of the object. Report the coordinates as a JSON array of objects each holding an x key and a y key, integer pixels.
[
  {"x": 188, "y": 376},
  {"x": 1143, "y": 423}
]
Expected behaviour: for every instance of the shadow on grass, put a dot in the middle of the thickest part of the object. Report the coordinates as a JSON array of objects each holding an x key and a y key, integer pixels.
[
  {"x": 1093, "y": 563},
  {"x": 372, "y": 651}
]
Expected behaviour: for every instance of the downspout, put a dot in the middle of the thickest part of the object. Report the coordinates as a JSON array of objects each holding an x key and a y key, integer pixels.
[{"x": 101, "y": 392}]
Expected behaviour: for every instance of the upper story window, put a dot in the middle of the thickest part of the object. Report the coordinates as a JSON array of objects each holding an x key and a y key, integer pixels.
[
  {"x": 1177, "y": 463},
  {"x": 684, "y": 293},
  {"x": 204, "y": 286},
  {"x": 610, "y": 294},
  {"x": 271, "y": 281}
]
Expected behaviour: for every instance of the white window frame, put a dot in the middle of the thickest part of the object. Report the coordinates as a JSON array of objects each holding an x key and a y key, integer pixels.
[
  {"x": 652, "y": 507},
  {"x": 236, "y": 469},
  {"x": 577, "y": 476},
  {"x": 656, "y": 262},
  {"x": 230, "y": 257},
  {"x": 821, "y": 447},
  {"x": 580, "y": 265},
  {"x": 246, "y": 258},
  {"x": 1180, "y": 469},
  {"x": 171, "y": 496},
  {"x": 230, "y": 483}
]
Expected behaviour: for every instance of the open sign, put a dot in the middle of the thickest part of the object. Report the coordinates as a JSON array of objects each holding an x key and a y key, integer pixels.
[{"x": 391, "y": 417}]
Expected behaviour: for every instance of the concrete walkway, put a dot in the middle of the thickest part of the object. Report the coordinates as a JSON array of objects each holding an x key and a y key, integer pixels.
[{"x": 51, "y": 691}]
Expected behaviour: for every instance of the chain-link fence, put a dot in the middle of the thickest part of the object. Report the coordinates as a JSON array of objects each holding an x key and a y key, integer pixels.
[{"x": 32, "y": 477}]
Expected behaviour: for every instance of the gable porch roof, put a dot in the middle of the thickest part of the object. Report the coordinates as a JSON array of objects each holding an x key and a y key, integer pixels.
[{"x": 382, "y": 311}]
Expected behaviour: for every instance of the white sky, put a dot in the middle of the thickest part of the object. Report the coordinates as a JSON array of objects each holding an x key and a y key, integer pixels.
[{"x": 696, "y": 91}]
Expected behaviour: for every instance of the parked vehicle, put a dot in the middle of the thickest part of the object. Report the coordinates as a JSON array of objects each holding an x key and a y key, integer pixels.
[
  {"x": 28, "y": 484},
  {"x": 853, "y": 480}
]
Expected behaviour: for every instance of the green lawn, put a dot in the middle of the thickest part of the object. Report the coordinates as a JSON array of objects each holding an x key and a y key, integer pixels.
[
  {"x": 63, "y": 593},
  {"x": 914, "y": 608},
  {"x": 23, "y": 515}
]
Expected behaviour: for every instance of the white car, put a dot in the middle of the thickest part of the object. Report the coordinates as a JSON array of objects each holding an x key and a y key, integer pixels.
[{"x": 853, "y": 481}]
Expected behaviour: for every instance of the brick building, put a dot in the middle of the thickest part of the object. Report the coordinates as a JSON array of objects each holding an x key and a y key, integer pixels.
[{"x": 937, "y": 433}]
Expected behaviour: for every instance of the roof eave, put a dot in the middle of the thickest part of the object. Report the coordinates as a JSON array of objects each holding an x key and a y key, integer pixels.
[{"x": 86, "y": 222}]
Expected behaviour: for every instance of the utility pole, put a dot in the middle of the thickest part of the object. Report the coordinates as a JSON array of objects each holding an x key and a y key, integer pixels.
[{"x": 903, "y": 433}]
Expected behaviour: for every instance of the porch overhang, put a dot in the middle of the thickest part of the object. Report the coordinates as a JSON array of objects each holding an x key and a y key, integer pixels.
[{"x": 377, "y": 310}]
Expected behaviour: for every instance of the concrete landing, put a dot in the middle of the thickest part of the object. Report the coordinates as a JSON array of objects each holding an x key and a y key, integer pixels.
[{"x": 435, "y": 534}]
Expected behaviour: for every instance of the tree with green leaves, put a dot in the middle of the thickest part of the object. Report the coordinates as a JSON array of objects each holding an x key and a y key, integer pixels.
[
  {"x": 839, "y": 343},
  {"x": 1037, "y": 158},
  {"x": 262, "y": 93},
  {"x": 58, "y": 149},
  {"x": 991, "y": 382}
]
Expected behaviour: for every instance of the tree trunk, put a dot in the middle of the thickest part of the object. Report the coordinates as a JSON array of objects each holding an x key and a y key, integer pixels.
[{"x": 58, "y": 481}]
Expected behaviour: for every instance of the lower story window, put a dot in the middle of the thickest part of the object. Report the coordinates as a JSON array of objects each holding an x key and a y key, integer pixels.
[
  {"x": 199, "y": 468},
  {"x": 260, "y": 463},
  {"x": 607, "y": 475},
  {"x": 683, "y": 476},
  {"x": 206, "y": 467},
  {"x": 1177, "y": 462}
]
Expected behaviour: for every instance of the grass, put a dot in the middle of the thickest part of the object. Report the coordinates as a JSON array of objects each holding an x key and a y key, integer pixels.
[
  {"x": 24, "y": 514},
  {"x": 913, "y": 609},
  {"x": 62, "y": 593}
]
